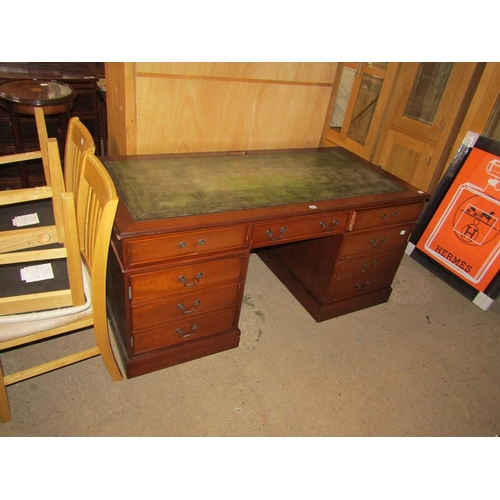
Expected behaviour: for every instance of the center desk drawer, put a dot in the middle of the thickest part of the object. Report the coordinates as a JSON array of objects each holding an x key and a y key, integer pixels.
[
  {"x": 172, "y": 246},
  {"x": 187, "y": 278},
  {"x": 191, "y": 304},
  {"x": 281, "y": 231},
  {"x": 389, "y": 237}
]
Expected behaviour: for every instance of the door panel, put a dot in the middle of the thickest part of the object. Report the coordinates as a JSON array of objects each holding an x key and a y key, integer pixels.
[
  {"x": 362, "y": 91},
  {"x": 433, "y": 99},
  {"x": 406, "y": 157},
  {"x": 427, "y": 98}
]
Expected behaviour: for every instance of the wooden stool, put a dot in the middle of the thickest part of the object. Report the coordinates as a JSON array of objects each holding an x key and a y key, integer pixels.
[{"x": 21, "y": 97}]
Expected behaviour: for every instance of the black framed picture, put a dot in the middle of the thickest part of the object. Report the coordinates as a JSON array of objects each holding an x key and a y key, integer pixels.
[{"x": 457, "y": 237}]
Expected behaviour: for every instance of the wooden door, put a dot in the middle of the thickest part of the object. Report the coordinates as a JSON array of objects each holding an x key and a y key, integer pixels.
[
  {"x": 429, "y": 106},
  {"x": 358, "y": 104},
  {"x": 407, "y": 157},
  {"x": 483, "y": 115}
]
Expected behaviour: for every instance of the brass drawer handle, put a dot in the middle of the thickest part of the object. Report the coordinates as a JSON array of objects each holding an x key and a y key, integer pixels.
[
  {"x": 183, "y": 309},
  {"x": 183, "y": 280},
  {"x": 181, "y": 333},
  {"x": 359, "y": 286},
  {"x": 325, "y": 227},
  {"x": 394, "y": 214},
  {"x": 366, "y": 265},
  {"x": 275, "y": 238},
  {"x": 378, "y": 244},
  {"x": 182, "y": 244}
]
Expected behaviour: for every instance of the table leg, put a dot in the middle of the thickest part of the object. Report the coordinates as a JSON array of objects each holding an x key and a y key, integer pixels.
[{"x": 19, "y": 143}]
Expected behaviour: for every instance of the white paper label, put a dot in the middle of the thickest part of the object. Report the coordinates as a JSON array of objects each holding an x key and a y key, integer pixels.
[
  {"x": 25, "y": 220},
  {"x": 37, "y": 273}
]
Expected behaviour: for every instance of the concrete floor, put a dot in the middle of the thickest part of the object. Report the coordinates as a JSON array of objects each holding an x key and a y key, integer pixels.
[{"x": 427, "y": 363}]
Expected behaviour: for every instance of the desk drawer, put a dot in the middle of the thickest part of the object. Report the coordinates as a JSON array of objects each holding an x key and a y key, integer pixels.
[
  {"x": 383, "y": 239},
  {"x": 281, "y": 231},
  {"x": 368, "y": 263},
  {"x": 385, "y": 216},
  {"x": 184, "y": 330},
  {"x": 175, "y": 308},
  {"x": 360, "y": 285},
  {"x": 161, "y": 248},
  {"x": 184, "y": 279}
]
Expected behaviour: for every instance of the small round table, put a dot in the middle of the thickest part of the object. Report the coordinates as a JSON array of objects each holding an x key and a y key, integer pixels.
[{"x": 21, "y": 97}]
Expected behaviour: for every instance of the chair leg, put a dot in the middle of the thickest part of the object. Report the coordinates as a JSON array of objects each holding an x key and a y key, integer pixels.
[
  {"x": 4, "y": 400},
  {"x": 102, "y": 339}
]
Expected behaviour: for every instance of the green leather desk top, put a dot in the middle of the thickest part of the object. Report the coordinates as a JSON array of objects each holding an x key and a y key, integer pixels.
[{"x": 165, "y": 187}]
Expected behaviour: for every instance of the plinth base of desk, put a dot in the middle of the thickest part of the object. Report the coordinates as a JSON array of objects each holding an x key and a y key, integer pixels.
[
  {"x": 349, "y": 305},
  {"x": 322, "y": 312},
  {"x": 180, "y": 353}
]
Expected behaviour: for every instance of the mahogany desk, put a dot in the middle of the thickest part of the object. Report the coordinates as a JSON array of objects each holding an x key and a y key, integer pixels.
[{"x": 331, "y": 226}]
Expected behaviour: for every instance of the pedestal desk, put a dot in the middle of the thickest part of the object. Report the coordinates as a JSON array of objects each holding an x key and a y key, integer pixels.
[{"x": 331, "y": 226}]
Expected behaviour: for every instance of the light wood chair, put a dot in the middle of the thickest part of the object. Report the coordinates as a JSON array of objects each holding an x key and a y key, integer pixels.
[
  {"x": 39, "y": 235},
  {"x": 45, "y": 201},
  {"x": 96, "y": 204},
  {"x": 78, "y": 142},
  {"x": 20, "y": 158},
  {"x": 21, "y": 246}
]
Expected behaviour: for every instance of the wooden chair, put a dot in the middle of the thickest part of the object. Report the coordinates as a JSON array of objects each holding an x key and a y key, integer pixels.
[
  {"x": 78, "y": 142},
  {"x": 21, "y": 246},
  {"x": 13, "y": 196},
  {"x": 46, "y": 202},
  {"x": 20, "y": 158},
  {"x": 97, "y": 202}
]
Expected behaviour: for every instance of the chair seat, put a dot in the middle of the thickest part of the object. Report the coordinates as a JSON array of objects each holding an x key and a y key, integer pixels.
[
  {"x": 43, "y": 208},
  {"x": 20, "y": 325}
]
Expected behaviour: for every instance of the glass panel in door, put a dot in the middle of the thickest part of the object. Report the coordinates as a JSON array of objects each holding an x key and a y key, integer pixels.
[
  {"x": 365, "y": 106},
  {"x": 427, "y": 91},
  {"x": 343, "y": 96},
  {"x": 357, "y": 98},
  {"x": 379, "y": 65}
]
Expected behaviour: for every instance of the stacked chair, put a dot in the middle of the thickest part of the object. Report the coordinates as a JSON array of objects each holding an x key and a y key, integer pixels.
[{"x": 74, "y": 241}]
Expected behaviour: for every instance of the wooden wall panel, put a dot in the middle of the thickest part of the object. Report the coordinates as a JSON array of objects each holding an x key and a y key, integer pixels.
[
  {"x": 179, "y": 115},
  {"x": 192, "y": 107},
  {"x": 276, "y": 71}
]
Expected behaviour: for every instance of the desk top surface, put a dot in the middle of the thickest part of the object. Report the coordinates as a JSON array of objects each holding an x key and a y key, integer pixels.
[{"x": 173, "y": 187}]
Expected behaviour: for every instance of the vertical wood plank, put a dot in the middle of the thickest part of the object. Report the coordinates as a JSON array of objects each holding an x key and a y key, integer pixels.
[{"x": 121, "y": 108}]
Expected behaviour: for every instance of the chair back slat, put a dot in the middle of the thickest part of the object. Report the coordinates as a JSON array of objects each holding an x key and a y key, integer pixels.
[
  {"x": 78, "y": 142},
  {"x": 96, "y": 208}
]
